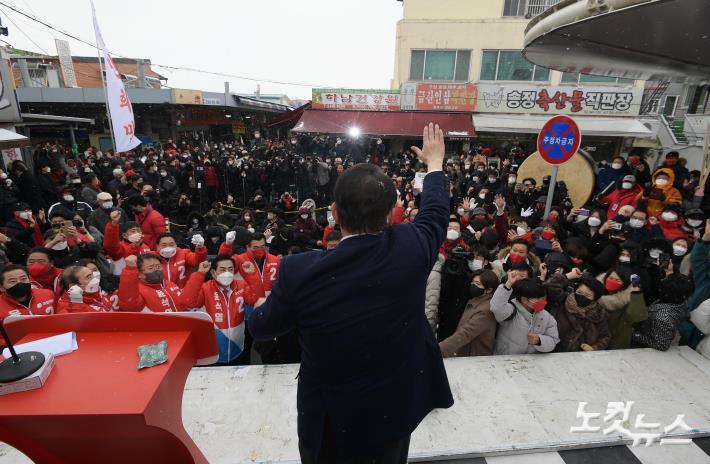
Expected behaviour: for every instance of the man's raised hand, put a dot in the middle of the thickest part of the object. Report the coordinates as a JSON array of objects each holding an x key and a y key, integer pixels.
[{"x": 432, "y": 151}]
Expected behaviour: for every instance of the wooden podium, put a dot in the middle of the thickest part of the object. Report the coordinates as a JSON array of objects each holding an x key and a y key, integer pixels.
[{"x": 96, "y": 406}]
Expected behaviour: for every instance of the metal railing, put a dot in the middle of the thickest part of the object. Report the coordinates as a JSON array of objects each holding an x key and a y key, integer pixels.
[{"x": 535, "y": 7}]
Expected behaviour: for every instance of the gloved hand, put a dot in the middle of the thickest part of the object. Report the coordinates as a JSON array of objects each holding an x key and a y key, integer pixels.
[
  {"x": 526, "y": 212},
  {"x": 198, "y": 241},
  {"x": 230, "y": 237},
  {"x": 76, "y": 294}
]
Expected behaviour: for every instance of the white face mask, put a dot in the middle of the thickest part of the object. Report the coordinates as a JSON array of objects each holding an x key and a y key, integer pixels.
[
  {"x": 60, "y": 246},
  {"x": 695, "y": 222},
  {"x": 636, "y": 223},
  {"x": 460, "y": 211},
  {"x": 594, "y": 221},
  {"x": 96, "y": 275},
  {"x": 135, "y": 238},
  {"x": 25, "y": 215},
  {"x": 669, "y": 216},
  {"x": 107, "y": 204},
  {"x": 475, "y": 264},
  {"x": 482, "y": 196},
  {"x": 163, "y": 174},
  {"x": 68, "y": 197},
  {"x": 452, "y": 234},
  {"x": 270, "y": 217},
  {"x": 331, "y": 222},
  {"x": 168, "y": 252},
  {"x": 624, "y": 259},
  {"x": 679, "y": 250},
  {"x": 616, "y": 166},
  {"x": 467, "y": 167},
  {"x": 304, "y": 216},
  {"x": 492, "y": 180},
  {"x": 511, "y": 180},
  {"x": 626, "y": 185},
  {"x": 92, "y": 286},
  {"x": 520, "y": 231},
  {"x": 654, "y": 253},
  {"x": 661, "y": 182},
  {"x": 225, "y": 279}
]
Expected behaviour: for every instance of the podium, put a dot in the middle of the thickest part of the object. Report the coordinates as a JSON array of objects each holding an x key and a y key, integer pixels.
[{"x": 96, "y": 406}]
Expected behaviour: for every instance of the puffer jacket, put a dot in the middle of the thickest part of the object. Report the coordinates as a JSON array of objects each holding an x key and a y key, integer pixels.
[
  {"x": 433, "y": 289},
  {"x": 624, "y": 308},
  {"x": 671, "y": 194},
  {"x": 515, "y": 322},
  {"x": 476, "y": 332},
  {"x": 501, "y": 265}
]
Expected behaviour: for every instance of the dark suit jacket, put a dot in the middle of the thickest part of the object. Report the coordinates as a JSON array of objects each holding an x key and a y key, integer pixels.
[{"x": 370, "y": 364}]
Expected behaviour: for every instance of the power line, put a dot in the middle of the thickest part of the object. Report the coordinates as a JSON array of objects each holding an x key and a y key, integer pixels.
[
  {"x": 23, "y": 32},
  {"x": 166, "y": 66}
]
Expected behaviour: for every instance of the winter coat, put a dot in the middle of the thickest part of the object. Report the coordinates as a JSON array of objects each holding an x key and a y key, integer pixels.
[
  {"x": 659, "y": 330},
  {"x": 433, "y": 289},
  {"x": 579, "y": 325},
  {"x": 624, "y": 308},
  {"x": 608, "y": 175},
  {"x": 41, "y": 303},
  {"x": 619, "y": 198},
  {"x": 152, "y": 225},
  {"x": 690, "y": 332},
  {"x": 476, "y": 332},
  {"x": 501, "y": 265},
  {"x": 515, "y": 322},
  {"x": 669, "y": 193},
  {"x": 700, "y": 318}
]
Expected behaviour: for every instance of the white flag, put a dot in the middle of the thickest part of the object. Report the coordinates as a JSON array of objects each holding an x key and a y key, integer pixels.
[{"x": 119, "y": 104}]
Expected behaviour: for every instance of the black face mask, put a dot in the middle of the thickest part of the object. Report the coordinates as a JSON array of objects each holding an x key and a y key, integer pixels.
[
  {"x": 475, "y": 291},
  {"x": 154, "y": 277},
  {"x": 19, "y": 290},
  {"x": 582, "y": 301},
  {"x": 479, "y": 224}
]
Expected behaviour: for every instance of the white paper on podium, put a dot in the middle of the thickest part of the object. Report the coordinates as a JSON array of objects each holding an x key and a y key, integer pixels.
[{"x": 57, "y": 345}]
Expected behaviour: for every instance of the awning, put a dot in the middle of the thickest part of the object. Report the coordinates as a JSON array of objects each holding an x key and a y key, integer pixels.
[
  {"x": 384, "y": 123},
  {"x": 56, "y": 118},
  {"x": 589, "y": 125},
  {"x": 288, "y": 119},
  {"x": 10, "y": 139}
]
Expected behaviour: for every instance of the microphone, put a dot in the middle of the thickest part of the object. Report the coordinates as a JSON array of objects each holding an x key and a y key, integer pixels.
[{"x": 17, "y": 367}]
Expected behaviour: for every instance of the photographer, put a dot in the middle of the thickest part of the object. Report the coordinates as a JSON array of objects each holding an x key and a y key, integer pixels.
[{"x": 455, "y": 286}]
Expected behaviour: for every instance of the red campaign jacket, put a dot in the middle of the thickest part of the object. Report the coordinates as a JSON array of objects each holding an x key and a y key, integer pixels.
[
  {"x": 50, "y": 281},
  {"x": 327, "y": 232},
  {"x": 118, "y": 249},
  {"x": 619, "y": 198},
  {"x": 673, "y": 230},
  {"x": 99, "y": 302},
  {"x": 41, "y": 303},
  {"x": 152, "y": 225},
  {"x": 178, "y": 268},
  {"x": 268, "y": 275},
  {"x": 156, "y": 298},
  {"x": 211, "y": 298}
]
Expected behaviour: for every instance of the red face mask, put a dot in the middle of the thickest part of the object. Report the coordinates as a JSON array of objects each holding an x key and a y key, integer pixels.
[
  {"x": 38, "y": 269},
  {"x": 577, "y": 261},
  {"x": 516, "y": 258},
  {"x": 547, "y": 234},
  {"x": 671, "y": 162},
  {"x": 258, "y": 254},
  {"x": 612, "y": 285},
  {"x": 553, "y": 216},
  {"x": 633, "y": 161},
  {"x": 539, "y": 305}
]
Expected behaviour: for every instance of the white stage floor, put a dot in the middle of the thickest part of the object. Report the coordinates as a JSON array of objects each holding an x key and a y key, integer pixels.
[{"x": 504, "y": 405}]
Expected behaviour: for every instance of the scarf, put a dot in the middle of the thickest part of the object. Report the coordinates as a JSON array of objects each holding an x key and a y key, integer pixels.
[{"x": 593, "y": 312}]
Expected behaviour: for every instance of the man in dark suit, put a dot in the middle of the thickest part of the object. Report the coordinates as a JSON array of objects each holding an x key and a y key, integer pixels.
[{"x": 371, "y": 369}]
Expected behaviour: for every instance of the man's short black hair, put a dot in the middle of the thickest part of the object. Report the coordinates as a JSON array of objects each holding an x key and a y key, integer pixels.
[
  {"x": 222, "y": 257},
  {"x": 43, "y": 250},
  {"x": 62, "y": 212},
  {"x": 163, "y": 235},
  {"x": 531, "y": 287},
  {"x": 128, "y": 225},
  {"x": 520, "y": 241},
  {"x": 8, "y": 268},
  {"x": 364, "y": 197},
  {"x": 143, "y": 257},
  {"x": 255, "y": 237}
]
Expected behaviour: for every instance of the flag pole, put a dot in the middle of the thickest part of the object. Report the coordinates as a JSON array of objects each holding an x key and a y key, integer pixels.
[{"x": 102, "y": 69}]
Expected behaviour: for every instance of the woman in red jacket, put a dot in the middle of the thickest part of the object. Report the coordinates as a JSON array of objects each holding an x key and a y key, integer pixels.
[{"x": 83, "y": 293}]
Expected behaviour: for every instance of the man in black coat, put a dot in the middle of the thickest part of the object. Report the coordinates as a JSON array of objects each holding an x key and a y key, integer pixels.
[{"x": 371, "y": 369}]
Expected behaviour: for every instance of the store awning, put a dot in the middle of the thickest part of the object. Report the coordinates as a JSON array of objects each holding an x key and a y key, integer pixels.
[
  {"x": 10, "y": 139},
  {"x": 288, "y": 119},
  {"x": 56, "y": 118},
  {"x": 589, "y": 125},
  {"x": 384, "y": 123}
]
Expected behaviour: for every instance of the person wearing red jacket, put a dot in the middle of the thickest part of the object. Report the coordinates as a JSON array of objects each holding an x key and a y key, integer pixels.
[
  {"x": 84, "y": 293},
  {"x": 43, "y": 274},
  {"x": 178, "y": 262},
  {"x": 143, "y": 289},
  {"x": 152, "y": 223},
  {"x": 671, "y": 223},
  {"x": 132, "y": 242},
  {"x": 223, "y": 298},
  {"x": 626, "y": 194},
  {"x": 18, "y": 298},
  {"x": 266, "y": 264}
]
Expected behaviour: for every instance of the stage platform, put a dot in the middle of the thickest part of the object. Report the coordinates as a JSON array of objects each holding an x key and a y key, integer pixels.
[{"x": 508, "y": 410}]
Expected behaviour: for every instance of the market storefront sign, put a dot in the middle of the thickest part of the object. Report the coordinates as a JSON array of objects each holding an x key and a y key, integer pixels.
[
  {"x": 425, "y": 96},
  {"x": 533, "y": 99},
  {"x": 356, "y": 99}
]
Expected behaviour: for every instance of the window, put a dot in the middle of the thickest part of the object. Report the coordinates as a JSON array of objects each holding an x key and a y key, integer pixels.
[
  {"x": 514, "y": 7},
  {"x": 689, "y": 94},
  {"x": 510, "y": 65},
  {"x": 38, "y": 77},
  {"x": 439, "y": 65},
  {"x": 536, "y": 7},
  {"x": 576, "y": 78}
]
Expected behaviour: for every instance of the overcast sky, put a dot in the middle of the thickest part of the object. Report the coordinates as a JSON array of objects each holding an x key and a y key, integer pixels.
[{"x": 317, "y": 42}]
